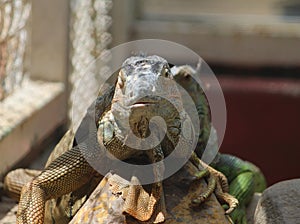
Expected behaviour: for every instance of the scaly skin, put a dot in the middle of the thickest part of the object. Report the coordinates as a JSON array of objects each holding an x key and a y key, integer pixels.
[
  {"x": 70, "y": 172},
  {"x": 244, "y": 177}
]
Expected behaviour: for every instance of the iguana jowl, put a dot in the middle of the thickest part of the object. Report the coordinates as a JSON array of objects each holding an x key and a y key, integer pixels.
[{"x": 70, "y": 170}]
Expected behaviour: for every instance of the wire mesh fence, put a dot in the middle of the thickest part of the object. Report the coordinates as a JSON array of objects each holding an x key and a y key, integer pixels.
[
  {"x": 90, "y": 21},
  {"x": 14, "y": 16}
]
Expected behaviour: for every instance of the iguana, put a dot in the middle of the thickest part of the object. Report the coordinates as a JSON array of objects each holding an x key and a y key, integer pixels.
[
  {"x": 244, "y": 177},
  {"x": 68, "y": 171}
]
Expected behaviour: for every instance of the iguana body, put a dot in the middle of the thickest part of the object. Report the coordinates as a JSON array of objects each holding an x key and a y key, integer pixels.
[{"x": 70, "y": 172}]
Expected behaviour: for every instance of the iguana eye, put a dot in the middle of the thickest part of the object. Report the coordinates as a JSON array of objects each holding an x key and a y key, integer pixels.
[
  {"x": 187, "y": 76},
  {"x": 166, "y": 73}
]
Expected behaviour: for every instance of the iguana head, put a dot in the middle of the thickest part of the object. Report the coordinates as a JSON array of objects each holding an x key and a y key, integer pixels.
[
  {"x": 145, "y": 88},
  {"x": 185, "y": 77}
]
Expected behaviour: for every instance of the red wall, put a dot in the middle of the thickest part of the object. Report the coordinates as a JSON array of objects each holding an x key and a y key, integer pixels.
[{"x": 263, "y": 124}]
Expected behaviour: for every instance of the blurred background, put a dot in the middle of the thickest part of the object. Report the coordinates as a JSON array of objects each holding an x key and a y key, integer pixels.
[{"x": 252, "y": 47}]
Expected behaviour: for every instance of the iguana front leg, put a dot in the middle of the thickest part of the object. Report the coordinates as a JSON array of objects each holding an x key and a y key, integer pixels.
[
  {"x": 139, "y": 203},
  {"x": 65, "y": 174},
  {"x": 217, "y": 183}
]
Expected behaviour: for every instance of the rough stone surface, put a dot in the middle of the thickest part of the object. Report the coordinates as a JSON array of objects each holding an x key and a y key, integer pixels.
[
  {"x": 105, "y": 205},
  {"x": 250, "y": 211},
  {"x": 279, "y": 204}
]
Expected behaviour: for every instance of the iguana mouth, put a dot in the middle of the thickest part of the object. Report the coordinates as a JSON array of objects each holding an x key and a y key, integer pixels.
[{"x": 143, "y": 104}]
